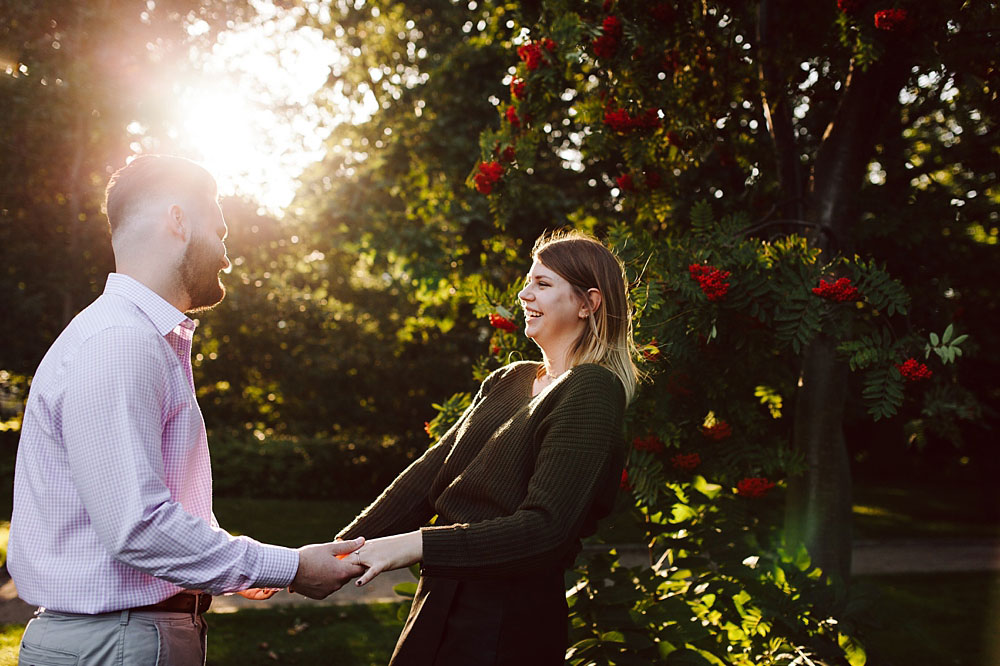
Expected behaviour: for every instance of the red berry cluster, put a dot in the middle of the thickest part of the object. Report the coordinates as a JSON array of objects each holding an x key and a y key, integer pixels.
[
  {"x": 756, "y": 486},
  {"x": 653, "y": 180},
  {"x": 720, "y": 431},
  {"x": 606, "y": 45},
  {"x": 662, "y": 12},
  {"x": 511, "y": 115},
  {"x": 623, "y": 122},
  {"x": 711, "y": 280},
  {"x": 489, "y": 174},
  {"x": 913, "y": 370},
  {"x": 502, "y": 323},
  {"x": 685, "y": 461},
  {"x": 532, "y": 54},
  {"x": 850, "y": 6},
  {"x": 517, "y": 87},
  {"x": 625, "y": 183},
  {"x": 892, "y": 20},
  {"x": 505, "y": 155},
  {"x": 624, "y": 484},
  {"x": 838, "y": 291},
  {"x": 648, "y": 443}
]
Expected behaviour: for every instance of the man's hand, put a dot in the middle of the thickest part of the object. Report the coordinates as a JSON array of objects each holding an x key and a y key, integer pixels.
[
  {"x": 320, "y": 573},
  {"x": 259, "y": 593}
]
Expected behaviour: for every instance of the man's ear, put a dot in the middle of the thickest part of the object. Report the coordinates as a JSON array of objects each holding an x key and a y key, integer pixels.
[
  {"x": 593, "y": 303},
  {"x": 178, "y": 222}
]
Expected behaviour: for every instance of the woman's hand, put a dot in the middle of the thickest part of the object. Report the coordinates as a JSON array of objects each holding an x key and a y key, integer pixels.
[
  {"x": 388, "y": 553},
  {"x": 258, "y": 593}
]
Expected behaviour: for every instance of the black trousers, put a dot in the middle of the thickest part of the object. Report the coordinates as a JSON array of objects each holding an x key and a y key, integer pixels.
[{"x": 491, "y": 622}]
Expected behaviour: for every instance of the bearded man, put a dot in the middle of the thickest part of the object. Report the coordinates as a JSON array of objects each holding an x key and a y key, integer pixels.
[{"x": 112, "y": 533}]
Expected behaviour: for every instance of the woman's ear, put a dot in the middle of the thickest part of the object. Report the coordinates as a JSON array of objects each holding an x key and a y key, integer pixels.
[{"x": 592, "y": 304}]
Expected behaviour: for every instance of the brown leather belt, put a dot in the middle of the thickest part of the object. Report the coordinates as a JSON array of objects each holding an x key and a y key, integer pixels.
[{"x": 184, "y": 602}]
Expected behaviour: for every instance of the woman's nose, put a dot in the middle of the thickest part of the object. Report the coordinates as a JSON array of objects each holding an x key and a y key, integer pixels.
[{"x": 523, "y": 294}]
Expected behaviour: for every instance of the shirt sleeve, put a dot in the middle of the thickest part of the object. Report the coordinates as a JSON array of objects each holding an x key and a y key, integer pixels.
[
  {"x": 113, "y": 413},
  {"x": 578, "y": 442},
  {"x": 406, "y": 504}
]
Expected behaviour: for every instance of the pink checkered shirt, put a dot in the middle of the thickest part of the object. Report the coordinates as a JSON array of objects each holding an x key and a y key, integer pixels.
[{"x": 113, "y": 484}]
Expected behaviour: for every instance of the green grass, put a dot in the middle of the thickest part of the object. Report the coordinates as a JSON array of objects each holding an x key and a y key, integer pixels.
[
  {"x": 285, "y": 522},
  {"x": 10, "y": 638},
  {"x": 923, "y": 512},
  {"x": 918, "y": 620},
  {"x": 344, "y": 635},
  {"x": 360, "y": 635},
  {"x": 933, "y": 619},
  {"x": 937, "y": 620}
]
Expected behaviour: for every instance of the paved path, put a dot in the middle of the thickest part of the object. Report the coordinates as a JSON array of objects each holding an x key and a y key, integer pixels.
[{"x": 870, "y": 557}]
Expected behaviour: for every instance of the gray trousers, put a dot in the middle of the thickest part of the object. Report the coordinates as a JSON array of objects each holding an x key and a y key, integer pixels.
[{"x": 121, "y": 638}]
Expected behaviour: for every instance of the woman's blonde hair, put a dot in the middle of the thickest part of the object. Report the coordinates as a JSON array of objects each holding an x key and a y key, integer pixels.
[{"x": 586, "y": 264}]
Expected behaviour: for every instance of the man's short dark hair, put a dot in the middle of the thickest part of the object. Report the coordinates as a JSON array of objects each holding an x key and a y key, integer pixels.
[{"x": 153, "y": 176}]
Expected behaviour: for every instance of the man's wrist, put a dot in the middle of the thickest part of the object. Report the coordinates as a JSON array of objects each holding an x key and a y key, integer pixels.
[{"x": 277, "y": 566}]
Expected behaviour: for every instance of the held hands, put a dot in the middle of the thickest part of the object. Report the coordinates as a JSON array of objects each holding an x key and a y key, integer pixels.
[
  {"x": 388, "y": 553},
  {"x": 321, "y": 573}
]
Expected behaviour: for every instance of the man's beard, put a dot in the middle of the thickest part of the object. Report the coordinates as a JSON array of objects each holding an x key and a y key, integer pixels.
[{"x": 200, "y": 276}]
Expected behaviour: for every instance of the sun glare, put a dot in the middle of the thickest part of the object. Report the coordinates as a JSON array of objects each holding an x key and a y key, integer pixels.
[
  {"x": 223, "y": 128},
  {"x": 249, "y": 114}
]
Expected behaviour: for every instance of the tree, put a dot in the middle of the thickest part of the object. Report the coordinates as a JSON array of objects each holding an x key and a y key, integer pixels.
[
  {"x": 660, "y": 89},
  {"x": 72, "y": 78},
  {"x": 654, "y": 109}
]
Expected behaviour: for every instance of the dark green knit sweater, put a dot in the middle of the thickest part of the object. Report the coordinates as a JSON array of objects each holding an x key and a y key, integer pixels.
[{"x": 516, "y": 482}]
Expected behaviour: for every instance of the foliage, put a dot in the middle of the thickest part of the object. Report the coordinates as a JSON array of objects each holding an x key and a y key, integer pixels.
[
  {"x": 733, "y": 316},
  {"x": 73, "y": 76},
  {"x": 721, "y": 557},
  {"x": 350, "y": 466}
]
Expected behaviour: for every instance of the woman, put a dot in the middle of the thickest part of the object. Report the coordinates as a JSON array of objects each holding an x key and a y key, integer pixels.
[{"x": 527, "y": 470}]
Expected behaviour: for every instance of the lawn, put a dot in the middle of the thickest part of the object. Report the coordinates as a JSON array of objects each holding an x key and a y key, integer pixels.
[
  {"x": 897, "y": 511},
  {"x": 933, "y": 619},
  {"x": 916, "y": 620},
  {"x": 926, "y": 620}
]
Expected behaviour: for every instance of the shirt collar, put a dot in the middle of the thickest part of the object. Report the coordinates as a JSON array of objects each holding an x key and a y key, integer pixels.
[{"x": 165, "y": 317}]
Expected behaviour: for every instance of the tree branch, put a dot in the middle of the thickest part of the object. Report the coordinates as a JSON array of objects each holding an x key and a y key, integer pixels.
[{"x": 778, "y": 111}]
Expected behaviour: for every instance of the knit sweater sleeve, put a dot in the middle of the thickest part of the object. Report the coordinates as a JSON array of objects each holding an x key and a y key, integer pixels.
[
  {"x": 405, "y": 505},
  {"x": 578, "y": 441}
]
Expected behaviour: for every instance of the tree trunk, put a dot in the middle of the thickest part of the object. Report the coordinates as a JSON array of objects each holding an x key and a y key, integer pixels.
[
  {"x": 819, "y": 501},
  {"x": 818, "y": 513}
]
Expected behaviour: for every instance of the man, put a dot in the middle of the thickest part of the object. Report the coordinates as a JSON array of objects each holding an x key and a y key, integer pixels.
[{"x": 112, "y": 532}]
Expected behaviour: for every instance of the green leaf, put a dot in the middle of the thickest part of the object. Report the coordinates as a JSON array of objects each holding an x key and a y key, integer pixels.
[
  {"x": 935, "y": 340},
  {"x": 709, "y": 490},
  {"x": 613, "y": 637},
  {"x": 854, "y": 650},
  {"x": 959, "y": 340},
  {"x": 947, "y": 333},
  {"x": 407, "y": 589},
  {"x": 686, "y": 657}
]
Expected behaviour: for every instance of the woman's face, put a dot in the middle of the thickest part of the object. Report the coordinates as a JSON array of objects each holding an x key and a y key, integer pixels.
[{"x": 552, "y": 310}]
